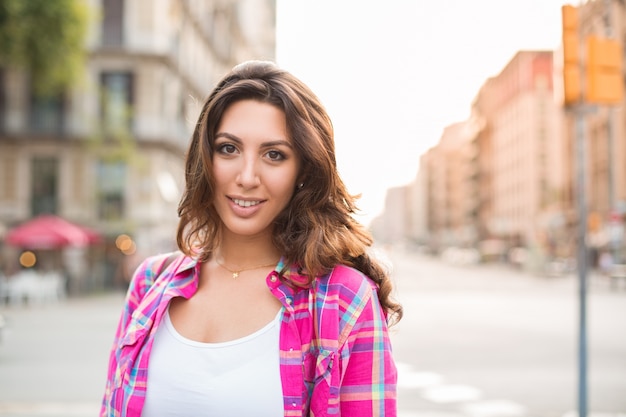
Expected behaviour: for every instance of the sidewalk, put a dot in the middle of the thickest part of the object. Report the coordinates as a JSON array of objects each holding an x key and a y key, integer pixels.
[{"x": 53, "y": 357}]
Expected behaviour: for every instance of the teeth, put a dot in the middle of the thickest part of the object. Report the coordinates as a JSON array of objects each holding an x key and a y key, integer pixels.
[{"x": 244, "y": 203}]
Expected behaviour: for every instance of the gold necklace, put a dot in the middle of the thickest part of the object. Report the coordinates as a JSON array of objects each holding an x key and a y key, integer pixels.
[{"x": 237, "y": 272}]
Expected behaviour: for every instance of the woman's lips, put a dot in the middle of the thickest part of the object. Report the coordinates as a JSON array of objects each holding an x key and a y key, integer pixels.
[{"x": 245, "y": 208}]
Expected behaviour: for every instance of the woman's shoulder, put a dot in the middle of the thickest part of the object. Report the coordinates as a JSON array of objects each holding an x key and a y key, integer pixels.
[
  {"x": 346, "y": 295},
  {"x": 347, "y": 281},
  {"x": 153, "y": 266},
  {"x": 159, "y": 262}
]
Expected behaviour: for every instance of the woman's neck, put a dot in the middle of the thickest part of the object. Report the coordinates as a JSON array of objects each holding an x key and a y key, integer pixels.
[{"x": 237, "y": 251}]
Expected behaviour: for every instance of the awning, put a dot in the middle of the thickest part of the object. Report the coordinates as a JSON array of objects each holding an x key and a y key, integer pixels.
[{"x": 48, "y": 232}]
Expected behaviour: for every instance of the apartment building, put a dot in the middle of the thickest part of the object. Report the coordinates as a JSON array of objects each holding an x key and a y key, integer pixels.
[
  {"x": 482, "y": 106},
  {"x": 417, "y": 230},
  {"x": 109, "y": 153},
  {"x": 459, "y": 153},
  {"x": 528, "y": 153},
  {"x": 392, "y": 227},
  {"x": 500, "y": 179},
  {"x": 452, "y": 200},
  {"x": 405, "y": 215}
]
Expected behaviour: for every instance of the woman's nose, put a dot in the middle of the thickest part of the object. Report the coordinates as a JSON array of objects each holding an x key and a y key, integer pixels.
[{"x": 248, "y": 176}]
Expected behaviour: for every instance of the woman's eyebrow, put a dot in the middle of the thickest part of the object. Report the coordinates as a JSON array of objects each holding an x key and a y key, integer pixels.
[
  {"x": 277, "y": 143},
  {"x": 228, "y": 136},
  {"x": 234, "y": 138}
]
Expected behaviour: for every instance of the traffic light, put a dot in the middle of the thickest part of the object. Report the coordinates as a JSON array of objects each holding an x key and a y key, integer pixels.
[
  {"x": 571, "y": 56},
  {"x": 604, "y": 79}
]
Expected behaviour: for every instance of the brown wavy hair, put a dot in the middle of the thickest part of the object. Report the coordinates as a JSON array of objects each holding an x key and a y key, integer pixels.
[{"x": 316, "y": 230}]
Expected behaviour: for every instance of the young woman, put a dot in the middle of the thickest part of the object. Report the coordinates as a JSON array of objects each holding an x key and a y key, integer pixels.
[{"x": 274, "y": 307}]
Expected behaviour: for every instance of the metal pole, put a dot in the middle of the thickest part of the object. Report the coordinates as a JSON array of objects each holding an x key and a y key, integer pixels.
[
  {"x": 613, "y": 244},
  {"x": 613, "y": 247},
  {"x": 581, "y": 262}
]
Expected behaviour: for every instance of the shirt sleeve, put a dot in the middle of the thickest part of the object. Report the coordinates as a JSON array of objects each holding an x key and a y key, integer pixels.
[
  {"x": 142, "y": 280},
  {"x": 369, "y": 375}
]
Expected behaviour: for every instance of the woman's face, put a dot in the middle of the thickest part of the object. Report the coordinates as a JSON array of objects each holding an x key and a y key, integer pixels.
[{"x": 255, "y": 167}]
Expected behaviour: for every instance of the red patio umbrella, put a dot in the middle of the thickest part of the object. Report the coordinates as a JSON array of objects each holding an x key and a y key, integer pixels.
[{"x": 48, "y": 231}]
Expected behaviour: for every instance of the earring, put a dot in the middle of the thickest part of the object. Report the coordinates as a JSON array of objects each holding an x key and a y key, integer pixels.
[{"x": 300, "y": 185}]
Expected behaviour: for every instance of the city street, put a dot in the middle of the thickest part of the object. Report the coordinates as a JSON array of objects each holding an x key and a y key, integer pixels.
[
  {"x": 490, "y": 341},
  {"x": 476, "y": 341}
]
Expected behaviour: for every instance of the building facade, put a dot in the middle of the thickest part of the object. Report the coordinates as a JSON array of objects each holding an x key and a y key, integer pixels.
[
  {"x": 109, "y": 153},
  {"x": 500, "y": 179},
  {"x": 528, "y": 153}
]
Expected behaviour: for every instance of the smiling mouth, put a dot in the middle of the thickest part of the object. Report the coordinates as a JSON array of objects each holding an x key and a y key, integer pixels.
[{"x": 245, "y": 203}]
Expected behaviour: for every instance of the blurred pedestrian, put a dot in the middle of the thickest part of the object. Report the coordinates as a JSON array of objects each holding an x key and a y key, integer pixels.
[{"x": 274, "y": 306}]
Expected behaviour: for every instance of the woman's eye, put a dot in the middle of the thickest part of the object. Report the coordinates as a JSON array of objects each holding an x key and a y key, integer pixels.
[
  {"x": 275, "y": 155},
  {"x": 227, "y": 148}
]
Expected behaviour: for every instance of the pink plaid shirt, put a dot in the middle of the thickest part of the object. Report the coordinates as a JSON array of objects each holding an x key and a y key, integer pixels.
[{"x": 335, "y": 354}]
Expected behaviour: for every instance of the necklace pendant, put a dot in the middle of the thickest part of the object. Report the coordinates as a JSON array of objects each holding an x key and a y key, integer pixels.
[{"x": 235, "y": 275}]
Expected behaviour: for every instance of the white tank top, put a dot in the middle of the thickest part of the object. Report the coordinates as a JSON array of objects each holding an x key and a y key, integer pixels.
[{"x": 236, "y": 378}]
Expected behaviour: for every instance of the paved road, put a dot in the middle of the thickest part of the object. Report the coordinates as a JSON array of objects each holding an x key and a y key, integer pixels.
[
  {"x": 53, "y": 357},
  {"x": 475, "y": 342},
  {"x": 493, "y": 342}
]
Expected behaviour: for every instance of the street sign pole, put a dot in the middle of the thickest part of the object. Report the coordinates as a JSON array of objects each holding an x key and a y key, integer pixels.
[
  {"x": 613, "y": 245},
  {"x": 582, "y": 260},
  {"x": 573, "y": 88},
  {"x": 591, "y": 76}
]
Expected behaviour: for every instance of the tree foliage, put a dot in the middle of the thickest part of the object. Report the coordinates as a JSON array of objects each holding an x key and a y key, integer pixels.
[{"x": 46, "y": 38}]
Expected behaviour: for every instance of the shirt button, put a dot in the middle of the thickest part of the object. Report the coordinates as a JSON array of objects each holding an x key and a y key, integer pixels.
[
  {"x": 289, "y": 301},
  {"x": 273, "y": 279},
  {"x": 294, "y": 404}
]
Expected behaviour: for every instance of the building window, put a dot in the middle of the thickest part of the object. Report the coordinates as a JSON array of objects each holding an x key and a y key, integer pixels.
[
  {"x": 46, "y": 114},
  {"x": 112, "y": 22},
  {"x": 111, "y": 177},
  {"x": 44, "y": 185},
  {"x": 116, "y": 102},
  {"x": 8, "y": 177}
]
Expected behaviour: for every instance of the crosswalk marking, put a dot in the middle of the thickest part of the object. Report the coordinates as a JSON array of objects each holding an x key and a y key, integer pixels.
[
  {"x": 494, "y": 408},
  {"x": 414, "y": 380},
  {"x": 461, "y": 400},
  {"x": 445, "y": 394}
]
